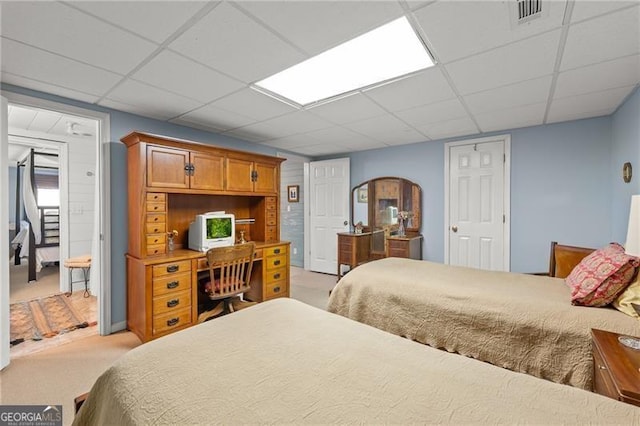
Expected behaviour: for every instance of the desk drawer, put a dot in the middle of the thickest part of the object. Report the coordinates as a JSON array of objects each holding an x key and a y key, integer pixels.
[
  {"x": 274, "y": 262},
  {"x": 172, "y": 302},
  {"x": 171, "y": 320},
  {"x": 153, "y": 239},
  {"x": 156, "y": 218},
  {"x": 270, "y": 251},
  {"x": 171, "y": 284},
  {"x": 602, "y": 381},
  {"x": 171, "y": 268},
  {"x": 156, "y": 207},
  {"x": 156, "y": 228},
  {"x": 156, "y": 249},
  {"x": 275, "y": 275},
  {"x": 158, "y": 197},
  {"x": 277, "y": 289}
]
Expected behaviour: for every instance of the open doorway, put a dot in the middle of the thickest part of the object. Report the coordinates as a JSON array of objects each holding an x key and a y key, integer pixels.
[{"x": 53, "y": 161}]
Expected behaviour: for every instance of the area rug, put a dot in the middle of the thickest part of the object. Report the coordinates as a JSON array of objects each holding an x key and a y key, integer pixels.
[{"x": 46, "y": 317}]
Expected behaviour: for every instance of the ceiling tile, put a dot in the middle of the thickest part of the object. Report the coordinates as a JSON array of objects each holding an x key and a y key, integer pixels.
[
  {"x": 143, "y": 98},
  {"x": 338, "y": 136},
  {"x": 247, "y": 135},
  {"x": 47, "y": 88},
  {"x": 82, "y": 125},
  {"x": 589, "y": 105},
  {"x": 588, "y": 9},
  {"x": 524, "y": 60},
  {"x": 433, "y": 113},
  {"x": 457, "y": 29},
  {"x": 21, "y": 117},
  {"x": 424, "y": 88},
  {"x": 203, "y": 84},
  {"x": 140, "y": 110},
  {"x": 288, "y": 142},
  {"x": 58, "y": 28},
  {"x": 253, "y": 104},
  {"x": 143, "y": 17},
  {"x": 594, "y": 78},
  {"x": 349, "y": 109},
  {"x": 35, "y": 64},
  {"x": 315, "y": 26},
  {"x": 287, "y": 125},
  {"x": 449, "y": 129},
  {"x": 386, "y": 128},
  {"x": 513, "y": 95},
  {"x": 45, "y": 120},
  {"x": 512, "y": 118},
  {"x": 231, "y": 42},
  {"x": 215, "y": 118},
  {"x": 601, "y": 39}
]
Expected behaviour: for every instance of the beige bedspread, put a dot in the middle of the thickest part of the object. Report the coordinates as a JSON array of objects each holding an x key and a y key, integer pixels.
[
  {"x": 522, "y": 322},
  {"x": 284, "y": 362}
]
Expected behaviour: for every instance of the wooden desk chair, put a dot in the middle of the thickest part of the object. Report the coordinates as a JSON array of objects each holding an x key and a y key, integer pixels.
[
  {"x": 229, "y": 276},
  {"x": 564, "y": 258}
]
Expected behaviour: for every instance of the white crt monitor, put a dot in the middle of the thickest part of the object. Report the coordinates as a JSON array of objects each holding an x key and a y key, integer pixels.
[{"x": 213, "y": 229}]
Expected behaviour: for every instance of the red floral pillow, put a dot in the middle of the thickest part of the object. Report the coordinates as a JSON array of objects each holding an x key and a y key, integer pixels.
[{"x": 601, "y": 276}]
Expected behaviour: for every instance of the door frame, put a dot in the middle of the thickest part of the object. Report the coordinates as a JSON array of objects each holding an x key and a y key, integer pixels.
[
  {"x": 506, "y": 226},
  {"x": 102, "y": 152}
]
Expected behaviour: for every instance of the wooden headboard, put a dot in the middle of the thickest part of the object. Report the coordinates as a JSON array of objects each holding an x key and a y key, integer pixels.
[{"x": 564, "y": 258}]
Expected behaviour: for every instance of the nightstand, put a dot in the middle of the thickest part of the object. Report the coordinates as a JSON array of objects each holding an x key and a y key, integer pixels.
[{"x": 616, "y": 368}]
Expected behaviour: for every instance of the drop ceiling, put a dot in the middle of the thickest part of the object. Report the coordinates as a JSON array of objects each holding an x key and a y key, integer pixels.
[{"x": 192, "y": 63}]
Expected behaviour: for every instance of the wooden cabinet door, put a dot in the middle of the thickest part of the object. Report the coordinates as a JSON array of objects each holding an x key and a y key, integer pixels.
[
  {"x": 208, "y": 172},
  {"x": 239, "y": 175},
  {"x": 267, "y": 178},
  {"x": 166, "y": 167}
]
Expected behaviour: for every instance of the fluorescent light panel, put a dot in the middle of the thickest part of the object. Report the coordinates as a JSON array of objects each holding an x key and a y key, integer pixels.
[{"x": 387, "y": 52}]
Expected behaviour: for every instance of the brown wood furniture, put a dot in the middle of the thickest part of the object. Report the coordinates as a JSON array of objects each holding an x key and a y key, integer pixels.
[
  {"x": 170, "y": 182},
  {"x": 564, "y": 258},
  {"x": 616, "y": 368}
]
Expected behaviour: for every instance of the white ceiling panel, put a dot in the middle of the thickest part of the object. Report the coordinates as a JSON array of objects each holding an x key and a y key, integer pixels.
[
  {"x": 457, "y": 29},
  {"x": 154, "y": 20},
  {"x": 386, "y": 128},
  {"x": 288, "y": 142},
  {"x": 511, "y": 118},
  {"x": 231, "y": 42},
  {"x": 246, "y": 135},
  {"x": 524, "y": 60},
  {"x": 585, "y": 9},
  {"x": 250, "y": 103},
  {"x": 433, "y": 113},
  {"x": 287, "y": 125},
  {"x": 450, "y": 129},
  {"x": 214, "y": 117},
  {"x": 203, "y": 84},
  {"x": 513, "y": 95},
  {"x": 21, "y": 117},
  {"x": 608, "y": 37},
  {"x": 315, "y": 27},
  {"x": 597, "y": 103},
  {"x": 339, "y": 135},
  {"x": 58, "y": 28},
  {"x": 36, "y": 64},
  {"x": 594, "y": 78},
  {"x": 47, "y": 88},
  {"x": 424, "y": 88},
  {"x": 45, "y": 121},
  {"x": 349, "y": 109},
  {"x": 159, "y": 103}
]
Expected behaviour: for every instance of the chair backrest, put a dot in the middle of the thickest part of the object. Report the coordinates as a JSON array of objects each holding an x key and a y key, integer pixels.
[
  {"x": 564, "y": 258},
  {"x": 230, "y": 269}
]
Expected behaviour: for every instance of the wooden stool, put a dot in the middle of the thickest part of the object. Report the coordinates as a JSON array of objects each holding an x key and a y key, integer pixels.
[{"x": 82, "y": 262}]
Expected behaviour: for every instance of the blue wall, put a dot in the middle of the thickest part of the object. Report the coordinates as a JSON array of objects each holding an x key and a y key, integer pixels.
[
  {"x": 626, "y": 147},
  {"x": 560, "y": 185}
]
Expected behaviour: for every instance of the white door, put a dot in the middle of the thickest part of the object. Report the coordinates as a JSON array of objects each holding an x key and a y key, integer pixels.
[
  {"x": 477, "y": 228},
  {"x": 329, "y": 183},
  {"x": 4, "y": 234}
]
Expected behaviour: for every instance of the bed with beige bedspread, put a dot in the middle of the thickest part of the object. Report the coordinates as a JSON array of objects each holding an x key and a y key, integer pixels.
[
  {"x": 525, "y": 323},
  {"x": 284, "y": 362}
]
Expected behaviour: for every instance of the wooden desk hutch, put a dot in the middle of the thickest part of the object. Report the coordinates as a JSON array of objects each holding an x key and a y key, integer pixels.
[{"x": 170, "y": 182}]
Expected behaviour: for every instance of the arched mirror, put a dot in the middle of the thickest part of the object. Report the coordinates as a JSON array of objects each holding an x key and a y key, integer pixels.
[{"x": 377, "y": 202}]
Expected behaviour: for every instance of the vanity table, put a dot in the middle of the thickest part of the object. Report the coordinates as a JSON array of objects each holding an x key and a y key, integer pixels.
[{"x": 377, "y": 205}]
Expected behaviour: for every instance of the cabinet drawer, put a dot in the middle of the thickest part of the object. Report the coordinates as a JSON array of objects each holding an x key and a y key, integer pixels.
[
  {"x": 171, "y": 283},
  {"x": 153, "y": 239},
  {"x": 274, "y": 262},
  {"x": 258, "y": 254},
  {"x": 156, "y": 218},
  {"x": 271, "y": 206},
  {"x": 272, "y": 221},
  {"x": 156, "y": 228},
  {"x": 171, "y": 302},
  {"x": 156, "y": 207},
  {"x": 271, "y": 200},
  {"x": 156, "y": 249},
  {"x": 171, "y": 268},
  {"x": 172, "y": 320},
  {"x": 277, "y": 289},
  {"x": 271, "y": 214},
  {"x": 275, "y": 275},
  {"x": 271, "y": 251},
  {"x": 156, "y": 196},
  {"x": 271, "y": 234}
]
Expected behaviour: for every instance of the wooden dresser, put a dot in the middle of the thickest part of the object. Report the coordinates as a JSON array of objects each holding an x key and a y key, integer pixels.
[{"x": 170, "y": 182}]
